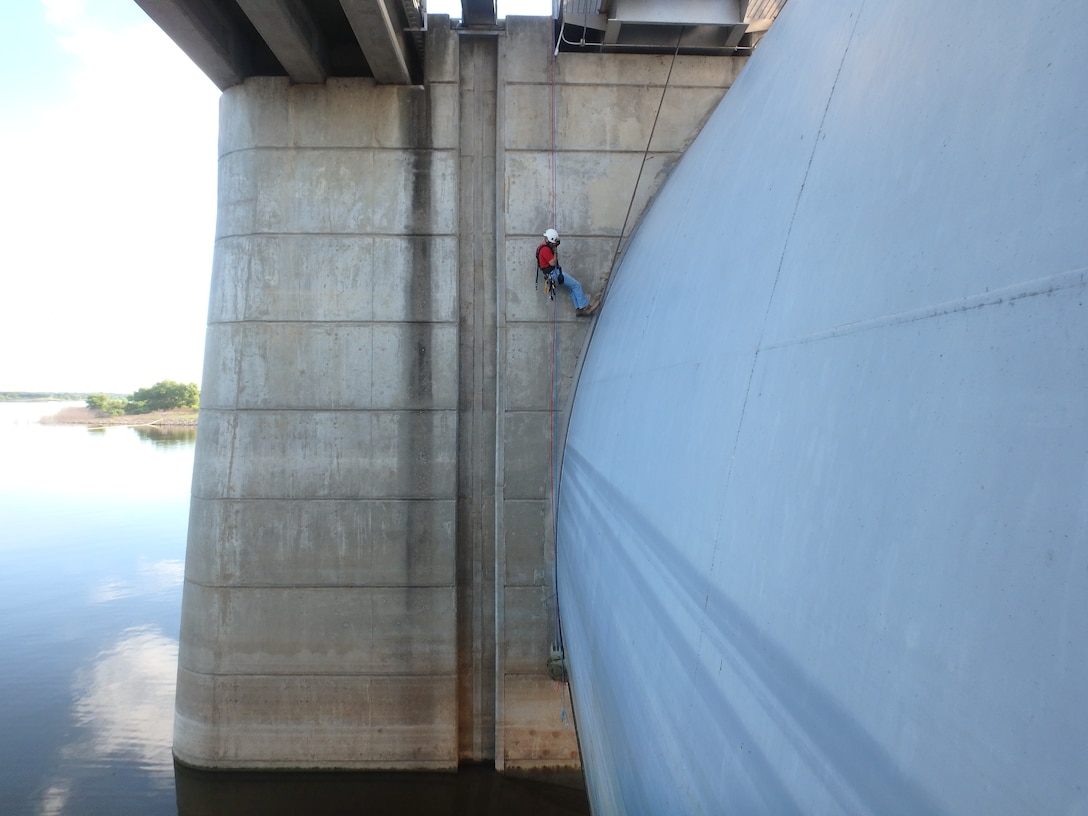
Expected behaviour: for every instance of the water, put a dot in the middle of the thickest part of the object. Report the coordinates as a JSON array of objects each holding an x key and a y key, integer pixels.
[
  {"x": 92, "y": 543},
  {"x": 92, "y": 548}
]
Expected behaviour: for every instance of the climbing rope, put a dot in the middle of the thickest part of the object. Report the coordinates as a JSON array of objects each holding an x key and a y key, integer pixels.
[
  {"x": 559, "y": 650},
  {"x": 551, "y": 65},
  {"x": 645, "y": 156},
  {"x": 562, "y": 681},
  {"x": 554, "y": 435}
]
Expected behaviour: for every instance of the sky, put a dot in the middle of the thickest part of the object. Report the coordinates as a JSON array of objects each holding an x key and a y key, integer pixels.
[{"x": 108, "y": 196}]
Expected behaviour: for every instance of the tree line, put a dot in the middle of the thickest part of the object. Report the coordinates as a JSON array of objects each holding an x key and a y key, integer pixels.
[
  {"x": 35, "y": 396},
  {"x": 162, "y": 396}
]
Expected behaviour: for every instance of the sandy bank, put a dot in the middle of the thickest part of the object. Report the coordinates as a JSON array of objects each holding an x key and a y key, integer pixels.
[{"x": 86, "y": 416}]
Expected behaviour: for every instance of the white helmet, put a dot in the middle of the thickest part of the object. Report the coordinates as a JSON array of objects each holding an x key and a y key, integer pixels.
[{"x": 551, "y": 236}]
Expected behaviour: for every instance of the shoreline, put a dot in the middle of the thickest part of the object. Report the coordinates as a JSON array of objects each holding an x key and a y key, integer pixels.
[{"x": 85, "y": 416}]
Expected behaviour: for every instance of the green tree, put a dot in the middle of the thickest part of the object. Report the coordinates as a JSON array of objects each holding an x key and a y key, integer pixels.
[
  {"x": 164, "y": 396},
  {"x": 106, "y": 404}
]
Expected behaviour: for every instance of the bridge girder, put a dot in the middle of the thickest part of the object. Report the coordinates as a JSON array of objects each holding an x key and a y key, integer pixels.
[
  {"x": 312, "y": 40},
  {"x": 479, "y": 12},
  {"x": 307, "y": 40},
  {"x": 290, "y": 32}
]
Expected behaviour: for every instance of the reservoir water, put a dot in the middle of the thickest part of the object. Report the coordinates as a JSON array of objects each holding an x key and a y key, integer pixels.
[
  {"x": 92, "y": 544},
  {"x": 92, "y": 550}
]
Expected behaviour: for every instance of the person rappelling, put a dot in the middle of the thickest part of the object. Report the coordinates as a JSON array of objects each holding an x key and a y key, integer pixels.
[{"x": 547, "y": 262}]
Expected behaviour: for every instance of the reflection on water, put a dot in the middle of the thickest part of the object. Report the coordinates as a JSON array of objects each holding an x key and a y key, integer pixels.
[
  {"x": 475, "y": 789},
  {"x": 126, "y": 699},
  {"x": 165, "y": 436},
  {"x": 92, "y": 545},
  {"x": 123, "y": 715},
  {"x": 150, "y": 578}
]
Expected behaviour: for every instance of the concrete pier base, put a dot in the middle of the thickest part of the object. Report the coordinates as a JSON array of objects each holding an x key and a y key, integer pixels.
[{"x": 369, "y": 576}]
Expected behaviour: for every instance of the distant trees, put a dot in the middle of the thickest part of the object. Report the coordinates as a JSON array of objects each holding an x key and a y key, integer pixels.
[
  {"x": 162, "y": 396},
  {"x": 106, "y": 404},
  {"x": 27, "y": 396}
]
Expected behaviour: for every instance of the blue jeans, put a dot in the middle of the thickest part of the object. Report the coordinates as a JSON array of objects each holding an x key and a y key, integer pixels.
[{"x": 577, "y": 296}]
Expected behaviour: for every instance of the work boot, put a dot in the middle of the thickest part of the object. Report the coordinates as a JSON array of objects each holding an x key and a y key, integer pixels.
[{"x": 590, "y": 307}]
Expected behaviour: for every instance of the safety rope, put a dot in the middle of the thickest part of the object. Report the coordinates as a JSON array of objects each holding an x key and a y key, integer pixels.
[
  {"x": 645, "y": 156},
  {"x": 554, "y": 430},
  {"x": 555, "y": 345},
  {"x": 551, "y": 64}
]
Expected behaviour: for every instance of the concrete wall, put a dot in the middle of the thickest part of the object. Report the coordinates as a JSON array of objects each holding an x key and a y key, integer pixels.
[
  {"x": 369, "y": 576},
  {"x": 823, "y": 540},
  {"x": 606, "y": 109}
]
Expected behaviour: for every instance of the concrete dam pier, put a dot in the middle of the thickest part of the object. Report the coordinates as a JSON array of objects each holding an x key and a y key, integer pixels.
[{"x": 370, "y": 574}]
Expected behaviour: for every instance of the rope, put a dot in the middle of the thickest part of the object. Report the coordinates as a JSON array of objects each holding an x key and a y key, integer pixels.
[
  {"x": 645, "y": 155},
  {"x": 551, "y": 65},
  {"x": 554, "y": 430}
]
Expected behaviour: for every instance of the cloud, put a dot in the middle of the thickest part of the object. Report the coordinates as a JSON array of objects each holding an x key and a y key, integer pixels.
[
  {"x": 54, "y": 799},
  {"x": 109, "y": 206},
  {"x": 127, "y": 702},
  {"x": 109, "y": 211},
  {"x": 152, "y": 578},
  {"x": 124, "y": 713},
  {"x": 63, "y": 12}
]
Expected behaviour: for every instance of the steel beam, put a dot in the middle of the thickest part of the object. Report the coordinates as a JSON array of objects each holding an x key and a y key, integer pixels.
[
  {"x": 375, "y": 25},
  {"x": 479, "y": 12},
  {"x": 287, "y": 29},
  {"x": 205, "y": 32}
]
